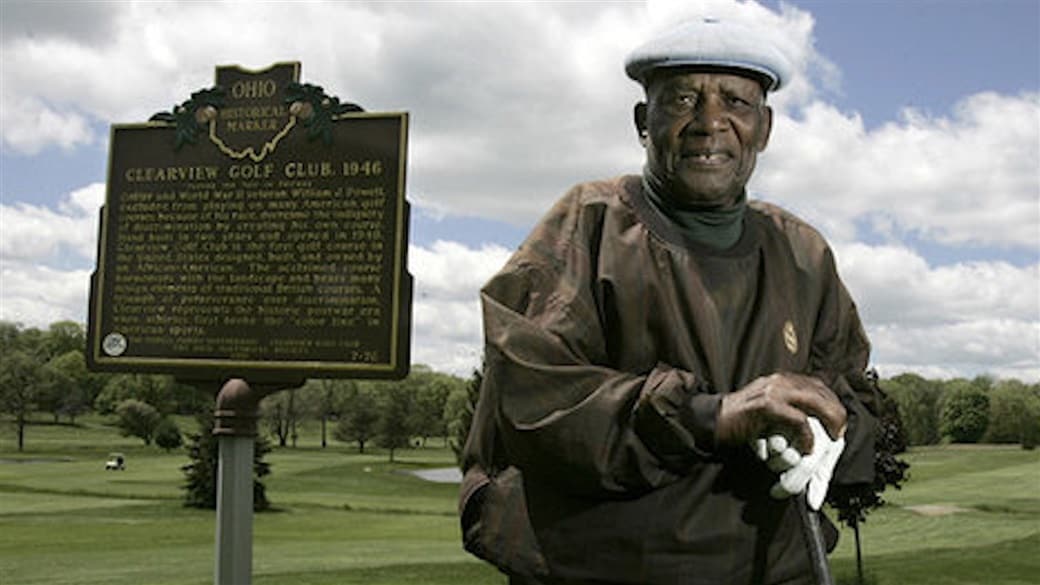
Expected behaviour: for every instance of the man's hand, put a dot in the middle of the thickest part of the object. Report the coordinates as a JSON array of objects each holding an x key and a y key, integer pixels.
[{"x": 779, "y": 404}]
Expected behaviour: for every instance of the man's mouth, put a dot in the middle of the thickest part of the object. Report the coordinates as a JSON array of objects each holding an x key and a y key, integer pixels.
[{"x": 707, "y": 157}]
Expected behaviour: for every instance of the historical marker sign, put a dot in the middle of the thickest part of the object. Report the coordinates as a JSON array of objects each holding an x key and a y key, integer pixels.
[{"x": 260, "y": 231}]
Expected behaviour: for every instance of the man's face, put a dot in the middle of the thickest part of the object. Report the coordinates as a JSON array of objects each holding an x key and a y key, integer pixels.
[{"x": 704, "y": 130}]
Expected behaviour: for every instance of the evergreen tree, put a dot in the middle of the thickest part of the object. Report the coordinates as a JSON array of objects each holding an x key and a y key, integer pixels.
[
  {"x": 853, "y": 502},
  {"x": 201, "y": 474},
  {"x": 458, "y": 412}
]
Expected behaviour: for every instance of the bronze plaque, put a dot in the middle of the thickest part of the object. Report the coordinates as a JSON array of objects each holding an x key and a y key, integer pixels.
[{"x": 257, "y": 231}]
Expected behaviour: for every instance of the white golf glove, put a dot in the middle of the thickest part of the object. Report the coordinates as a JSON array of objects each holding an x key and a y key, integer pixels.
[
  {"x": 777, "y": 454},
  {"x": 798, "y": 473}
]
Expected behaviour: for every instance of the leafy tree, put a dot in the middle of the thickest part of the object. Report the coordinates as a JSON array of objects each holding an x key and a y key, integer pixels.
[
  {"x": 326, "y": 398},
  {"x": 55, "y": 386},
  {"x": 66, "y": 385},
  {"x": 9, "y": 333},
  {"x": 189, "y": 399},
  {"x": 965, "y": 414},
  {"x": 1007, "y": 402},
  {"x": 31, "y": 341},
  {"x": 359, "y": 417},
  {"x": 200, "y": 487},
  {"x": 983, "y": 382},
  {"x": 458, "y": 412},
  {"x": 280, "y": 412},
  {"x": 154, "y": 389},
  {"x": 19, "y": 388},
  {"x": 394, "y": 429},
  {"x": 430, "y": 392},
  {"x": 168, "y": 436},
  {"x": 919, "y": 406},
  {"x": 138, "y": 419},
  {"x": 62, "y": 337},
  {"x": 1014, "y": 414}
]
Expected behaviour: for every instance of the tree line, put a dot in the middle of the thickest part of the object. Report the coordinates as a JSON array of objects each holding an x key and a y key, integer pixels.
[
  {"x": 392, "y": 414},
  {"x": 43, "y": 373},
  {"x": 979, "y": 410}
]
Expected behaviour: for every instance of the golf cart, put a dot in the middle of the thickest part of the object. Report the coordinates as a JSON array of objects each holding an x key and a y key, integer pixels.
[{"x": 116, "y": 462}]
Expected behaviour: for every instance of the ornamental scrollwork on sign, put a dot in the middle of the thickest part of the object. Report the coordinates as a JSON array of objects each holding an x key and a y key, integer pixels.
[
  {"x": 189, "y": 115},
  {"x": 317, "y": 110}
]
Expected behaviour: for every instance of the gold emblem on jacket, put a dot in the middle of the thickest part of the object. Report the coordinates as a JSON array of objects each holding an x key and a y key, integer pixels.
[{"x": 790, "y": 337}]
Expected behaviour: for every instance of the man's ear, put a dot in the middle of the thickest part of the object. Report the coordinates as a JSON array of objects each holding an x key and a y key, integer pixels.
[
  {"x": 767, "y": 128},
  {"x": 639, "y": 118}
]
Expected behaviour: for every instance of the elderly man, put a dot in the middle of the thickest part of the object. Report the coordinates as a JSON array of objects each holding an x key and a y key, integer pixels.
[{"x": 671, "y": 370}]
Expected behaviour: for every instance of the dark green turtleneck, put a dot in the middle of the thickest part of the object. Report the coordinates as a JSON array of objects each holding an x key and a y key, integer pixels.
[{"x": 719, "y": 228}]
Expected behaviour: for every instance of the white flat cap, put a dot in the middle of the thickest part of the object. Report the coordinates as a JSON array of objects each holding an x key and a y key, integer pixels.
[{"x": 711, "y": 42}]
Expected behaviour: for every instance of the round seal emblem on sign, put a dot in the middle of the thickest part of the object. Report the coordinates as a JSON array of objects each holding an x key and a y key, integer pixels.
[
  {"x": 114, "y": 344},
  {"x": 790, "y": 337}
]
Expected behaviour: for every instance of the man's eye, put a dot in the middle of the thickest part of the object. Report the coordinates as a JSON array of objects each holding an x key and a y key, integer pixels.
[
  {"x": 737, "y": 101},
  {"x": 686, "y": 100}
]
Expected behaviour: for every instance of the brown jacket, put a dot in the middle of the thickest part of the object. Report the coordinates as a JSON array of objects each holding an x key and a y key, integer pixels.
[{"x": 610, "y": 339}]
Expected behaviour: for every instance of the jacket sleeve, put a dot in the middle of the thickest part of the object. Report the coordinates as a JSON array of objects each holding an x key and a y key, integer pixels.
[
  {"x": 564, "y": 416},
  {"x": 839, "y": 357}
]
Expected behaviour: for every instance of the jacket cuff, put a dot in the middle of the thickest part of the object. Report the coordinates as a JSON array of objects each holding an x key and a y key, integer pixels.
[
  {"x": 675, "y": 417},
  {"x": 699, "y": 418},
  {"x": 856, "y": 464}
]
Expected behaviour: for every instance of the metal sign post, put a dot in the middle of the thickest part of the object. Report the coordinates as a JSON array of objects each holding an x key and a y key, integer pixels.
[
  {"x": 234, "y": 555},
  {"x": 235, "y": 427}
]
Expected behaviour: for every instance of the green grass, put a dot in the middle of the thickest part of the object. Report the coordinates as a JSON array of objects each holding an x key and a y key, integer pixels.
[
  {"x": 345, "y": 518},
  {"x": 340, "y": 517},
  {"x": 984, "y": 525}
]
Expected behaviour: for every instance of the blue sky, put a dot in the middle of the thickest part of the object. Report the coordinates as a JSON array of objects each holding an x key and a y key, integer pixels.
[
  {"x": 910, "y": 137},
  {"x": 926, "y": 53}
]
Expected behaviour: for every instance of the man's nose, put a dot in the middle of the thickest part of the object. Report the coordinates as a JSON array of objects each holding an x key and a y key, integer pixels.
[{"x": 708, "y": 116}]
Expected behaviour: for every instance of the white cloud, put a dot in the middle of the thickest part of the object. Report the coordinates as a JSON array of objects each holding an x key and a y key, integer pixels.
[
  {"x": 962, "y": 319},
  {"x": 446, "y": 323},
  {"x": 970, "y": 179},
  {"x": 37, "y": 296},
  {"x": 43, "y": 253},
  {"x": 895, "y": 286},
  {"x": 29, "y": 125},
  {"x": 69, "y": 234},
  {"x": 452, "y": 270},
  {"x": 1001, "y": 347}
]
